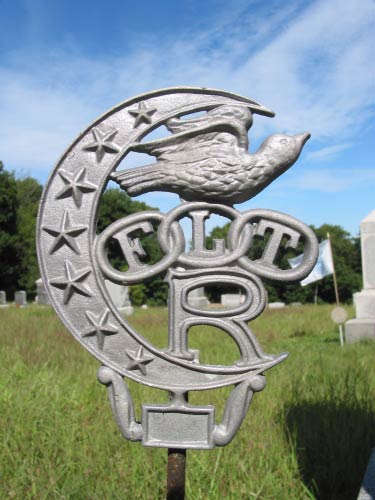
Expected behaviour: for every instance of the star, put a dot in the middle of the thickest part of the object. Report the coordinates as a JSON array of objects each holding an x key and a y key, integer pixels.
[
  {"x": 66, "y": 234},
  {"x": 138, "y": 361},
  {"x": 75, "y": 186},
  {"x": 99, "y": 327},
  {"x": 72, "y": 282},
  {"x": 102, "y": 143},
  {"x": 142, "y": 114}
]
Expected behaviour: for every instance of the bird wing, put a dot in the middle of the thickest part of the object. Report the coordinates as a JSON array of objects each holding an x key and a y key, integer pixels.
[
  {"x": 176, "y": 125},
  {"x": 192, "y": 162},
  {"x": 187, "y": 139},
  {"x": 232, "y": 120},
  {"x": 198, "y": 150}
]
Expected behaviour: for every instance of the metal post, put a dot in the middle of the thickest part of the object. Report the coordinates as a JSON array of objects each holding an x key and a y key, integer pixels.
[
  {"x": 341, "y": 336},
  {"x": 176, "y": 474}
]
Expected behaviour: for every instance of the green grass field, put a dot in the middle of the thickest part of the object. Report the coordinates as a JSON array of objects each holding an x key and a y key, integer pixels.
[{"x": 308, "y": 435}]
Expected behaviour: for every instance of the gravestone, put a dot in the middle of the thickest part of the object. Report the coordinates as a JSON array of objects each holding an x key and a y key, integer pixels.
[
  {"x": 276, "y": 305},
  {"x": 3, "y": 299},
  {"x": 363, "y": 326},
  {"x": 120, "y": 297},
  {"x": 41, "y": 297},
  {"x": 20, "y": 298},
  {"x": 197, "y": 298},
  {"x": 232, "y": 299}
]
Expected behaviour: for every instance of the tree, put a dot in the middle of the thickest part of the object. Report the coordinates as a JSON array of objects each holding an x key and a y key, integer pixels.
[
  {"x": 19, "y": 200},
  {"x": 274, "y": 290},
  {"x": 29, "y": 192},
  {"x": 347, "y": 259},
  {"x": 9, "y": 240},
  {"x": 114, "y": 205}
]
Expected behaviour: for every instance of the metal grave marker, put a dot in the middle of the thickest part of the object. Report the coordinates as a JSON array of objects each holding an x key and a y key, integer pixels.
[{"x": 205, "y": 160}]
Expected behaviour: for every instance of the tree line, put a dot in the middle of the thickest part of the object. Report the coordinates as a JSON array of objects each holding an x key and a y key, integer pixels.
[
  {"x": 347, "y": 259},
  {"x": 19, "y": 201}
]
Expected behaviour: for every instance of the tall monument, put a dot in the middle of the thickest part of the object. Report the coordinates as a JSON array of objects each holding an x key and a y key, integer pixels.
[{"x": 363, "y": 326}]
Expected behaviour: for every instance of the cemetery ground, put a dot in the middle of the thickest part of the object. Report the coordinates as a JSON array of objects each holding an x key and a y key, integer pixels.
[{"x": 308, "y": 435}]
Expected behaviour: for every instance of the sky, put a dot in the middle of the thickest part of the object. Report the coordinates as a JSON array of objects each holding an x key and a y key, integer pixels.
[{"x": 64, "y": 63}]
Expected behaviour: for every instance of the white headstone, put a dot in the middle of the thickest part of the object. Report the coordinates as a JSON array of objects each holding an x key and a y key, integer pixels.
[
  {"x": 3, "y": 299},
  {"x": 197, "y": 298},
  {"x": 20, "y": 298},
  {"x": 41, "y": 297},
  {"x": 363, "y": 326},
  {"x": 120, "y": 297},
  {"x": 232, "y": 299},
  {"x": 276, "y": 305}
]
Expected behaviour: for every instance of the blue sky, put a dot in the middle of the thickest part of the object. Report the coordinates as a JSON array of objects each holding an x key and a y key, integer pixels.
[{"x": 63, "y": 63}]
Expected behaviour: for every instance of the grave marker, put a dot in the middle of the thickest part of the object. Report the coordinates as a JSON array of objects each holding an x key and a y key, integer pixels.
[
  {"x": 231, "y": 299},
  {"x": 3, "y": 299},
  {"x": 276, "y": 305},
  {"x": 20, "y": 299},
  {"x": 78, "y": 273},
  {"x": 363, "y": 326},
  {"x": 120, "y": 297},
  {"x": 198, "y": 299},
  {"x": 41, "y": 294}
]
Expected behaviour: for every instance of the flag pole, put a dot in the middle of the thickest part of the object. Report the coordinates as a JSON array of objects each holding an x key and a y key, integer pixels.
[
  {"x": 336, "y": 289},
  {"x": 334, "y": 272},
  {"x": 316, "y": 295}
]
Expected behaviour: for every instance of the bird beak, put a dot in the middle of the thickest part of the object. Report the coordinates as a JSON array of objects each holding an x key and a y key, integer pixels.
[{"x": 303, "y": 138}]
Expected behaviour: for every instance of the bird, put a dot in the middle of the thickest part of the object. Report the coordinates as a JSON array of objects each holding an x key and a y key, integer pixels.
[{"x": 206, "y": 158}]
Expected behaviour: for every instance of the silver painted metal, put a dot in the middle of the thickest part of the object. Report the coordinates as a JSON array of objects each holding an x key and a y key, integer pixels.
[
  {"x": 207, "y": 158},
  {"x": 205, "y": 161}
]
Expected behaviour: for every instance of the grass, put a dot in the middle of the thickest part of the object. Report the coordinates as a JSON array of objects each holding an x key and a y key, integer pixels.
[{"x": 308, "y": 435}]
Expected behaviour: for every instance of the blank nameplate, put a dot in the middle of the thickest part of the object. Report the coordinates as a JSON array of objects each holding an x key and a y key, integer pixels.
[{"x": 166, "y": 426}]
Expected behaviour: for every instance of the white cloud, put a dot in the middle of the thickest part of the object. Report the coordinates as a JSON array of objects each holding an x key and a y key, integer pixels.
[
  {"x": 315, "y": 74},
  {"x": 328, "y": 152},
  {"x": 311, "y": 65},
  {"x": 334, "y": 180}
]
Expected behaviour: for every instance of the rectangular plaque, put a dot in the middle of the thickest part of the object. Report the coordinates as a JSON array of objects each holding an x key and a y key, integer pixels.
[{"x": 167, "y": 426}]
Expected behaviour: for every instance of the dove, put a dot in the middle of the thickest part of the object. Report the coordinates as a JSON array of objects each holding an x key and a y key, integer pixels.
[{"x": 207, "y": 159}]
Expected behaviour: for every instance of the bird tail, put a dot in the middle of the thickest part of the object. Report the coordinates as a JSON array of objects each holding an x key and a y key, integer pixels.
[{"x": 139, "y": 180}]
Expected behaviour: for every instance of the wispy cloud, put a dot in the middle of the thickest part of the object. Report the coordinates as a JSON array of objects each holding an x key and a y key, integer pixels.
[
  {"x": 307, "y": 63},
  {"x": 333, "y": 180},
  {"x": 328, "y": 152}
]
